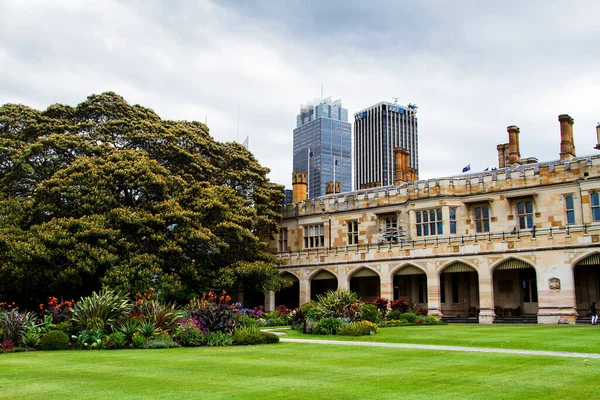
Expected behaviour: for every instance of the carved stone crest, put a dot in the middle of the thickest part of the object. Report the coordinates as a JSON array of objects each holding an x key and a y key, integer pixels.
[{"x": 554, "y": 283}]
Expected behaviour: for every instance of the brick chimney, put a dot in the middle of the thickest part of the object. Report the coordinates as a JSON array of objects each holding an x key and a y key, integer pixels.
[
  {"x": 299, "y": 186},
  {"x": 332, "y": 187},
  {"x": 567, "y": 147},
  {"x": 502, "y": 154},
  {"x": 514, "y": 154}
]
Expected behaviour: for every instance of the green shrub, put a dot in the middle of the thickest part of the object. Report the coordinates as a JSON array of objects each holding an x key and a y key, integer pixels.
[
  {"x": 269, "y": 338},
  {"x": 393, "y": 315},
  {"x": 128, "y": 328},
  {"x": 369, "y": 312},
  {"x": 147, "y": 329},
  {"x": 54, "y": 340},
  {"x": 328, "y": 326},
  {"x": 164, "y": 316},
  {"x": 219, "y": 339},
  {"x": 115, "y": 340},
  {"x": 65, "y": 326},
  {"x": 138, "y": 341},
  {"x": 361, "y": 328},
  {"x": 105, "y": 306},
  {"x": 13, "y": 325},
  {"x": 31, "y": 338},
  {"x": 161, "y": 343},
  {"x": 338, "y": 304},
  {"x": 410, "y": 318},
  {"x": 252, "y": 335}
]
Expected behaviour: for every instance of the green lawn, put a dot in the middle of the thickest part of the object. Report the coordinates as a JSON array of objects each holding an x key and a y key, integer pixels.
[
  {"x": 575, "y": 338},
  {"x": 311, "y": 371}
]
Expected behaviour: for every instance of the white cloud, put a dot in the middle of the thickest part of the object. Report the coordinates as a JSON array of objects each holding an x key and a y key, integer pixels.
[{"x": 473, "y": 68}]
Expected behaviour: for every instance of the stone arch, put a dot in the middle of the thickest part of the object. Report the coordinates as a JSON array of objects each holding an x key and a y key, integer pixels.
[
  {"x": 366, "y": 282},
  {"x": 459, "y": 290},
  {"x": 322, "y": 281},
  {"x": 409, "y": 283},
  {"x": 514, "y": 262},
  {"x": 290, "y": 296},
  {"x": 586, "y": 280},
  {"x": 515, "y": 292}
]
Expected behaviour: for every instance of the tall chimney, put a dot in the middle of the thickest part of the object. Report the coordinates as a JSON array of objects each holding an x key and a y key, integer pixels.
[
  {"x": 567, "y": 147},
  {"x": 597, "y": 147},
  {"x": 401, "y": 172},
  {"x": 514, "y": 155},
  {"x": 502, "y": 154},
  {"x": 299, "y": 186}
]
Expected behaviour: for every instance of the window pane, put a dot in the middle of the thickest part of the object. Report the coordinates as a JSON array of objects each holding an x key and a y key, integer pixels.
[
  {"x": 569, "y": 202},
  {"x": 529, "y": 206},
  {"x": 486, "y": 212},
  {"x": 595, "y": 199},
  {"x": 477, "y": 213}
]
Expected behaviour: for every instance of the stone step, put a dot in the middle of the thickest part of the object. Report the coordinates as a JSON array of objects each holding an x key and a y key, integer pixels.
[
  {"x": 460, "y": 320},
  {"x": 516, "y": 320}
]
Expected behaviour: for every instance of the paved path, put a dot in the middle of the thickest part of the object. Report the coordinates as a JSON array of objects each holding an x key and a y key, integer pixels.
[{"x": 444, "y": 348}]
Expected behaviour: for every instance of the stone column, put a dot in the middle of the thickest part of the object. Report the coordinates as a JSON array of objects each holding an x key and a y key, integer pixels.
[
  {"x": 486, "y": 296},
  {"x": 434, "y": 306},
  {"x": 304, "y": 291}
]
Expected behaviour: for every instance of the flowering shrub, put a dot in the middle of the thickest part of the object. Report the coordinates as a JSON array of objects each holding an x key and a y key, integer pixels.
[
  {"x": 60, "y": 311},
  {"x": 190, "y": 332},
  {"x": 382, "y": 304},
  {"x": 400, "y": 305},
  {"x": 216, "y": 314}
]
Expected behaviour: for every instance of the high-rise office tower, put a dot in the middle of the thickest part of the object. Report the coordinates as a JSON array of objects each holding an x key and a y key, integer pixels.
[
  {"x": 386, "y": 150},
  {"x": 323, "y": 147}
]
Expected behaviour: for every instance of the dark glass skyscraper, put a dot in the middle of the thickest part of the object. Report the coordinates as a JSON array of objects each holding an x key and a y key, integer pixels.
[
  {"x": 378, "y": 130},
  {"x": 323, "y": 146}
]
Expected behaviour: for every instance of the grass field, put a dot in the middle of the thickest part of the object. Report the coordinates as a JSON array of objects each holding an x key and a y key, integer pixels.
[
  {"x": 579, "y": 338},
  {"x": 312, "y": 371}
]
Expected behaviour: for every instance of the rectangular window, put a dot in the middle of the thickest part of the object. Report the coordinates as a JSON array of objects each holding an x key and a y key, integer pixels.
[
  {"x": 482, "y": 219},
  {"x": 429, "y": 222},
  {"x": 595, "y": 200},
  {"x": 453, "y": 221},
  {"x": 389, "y": 230},
  {"x": 455, "y": 287},
  {"x": 525, "y": 214},
  {"x": 283, "y": 240},
  {"x": 570, "y": 209},
  {"x": 352, "y": 232},
  {"x": 314, "y": 236}
]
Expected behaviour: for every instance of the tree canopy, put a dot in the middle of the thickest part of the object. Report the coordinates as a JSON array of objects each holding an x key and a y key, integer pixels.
[{"x": 109, "y": 194}]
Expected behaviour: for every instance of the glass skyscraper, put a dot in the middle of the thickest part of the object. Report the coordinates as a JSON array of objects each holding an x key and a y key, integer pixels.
[
  {"x": 378, "y": 130},
  {"x": 323, "y": 146}
]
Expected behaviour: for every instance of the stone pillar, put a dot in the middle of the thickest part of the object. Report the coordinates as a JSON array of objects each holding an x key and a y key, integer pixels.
[
  {"x": 597, "y": 147},
  {"x": 386, "y": 285},
  {"x": 502, "y": 154},
  {"x": 270, "y": 301},
  {"x": 486, "y": 296},
  {"x": 304, "y": 291},
  {"x": 514, "y": 155},
  {"x": 434, "y": 306},
  {"x": 567, "y": 147},
  {"x": 299, "y": 186}
]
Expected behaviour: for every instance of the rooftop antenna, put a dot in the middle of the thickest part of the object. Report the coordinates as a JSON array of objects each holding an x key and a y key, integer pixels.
[{"x": 396, "y": 99}]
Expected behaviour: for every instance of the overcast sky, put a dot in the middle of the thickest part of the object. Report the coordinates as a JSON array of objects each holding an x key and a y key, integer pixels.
[{"x": 472, "y": 67}]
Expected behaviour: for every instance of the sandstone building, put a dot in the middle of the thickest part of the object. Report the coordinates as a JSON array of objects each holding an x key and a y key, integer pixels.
[{"x": 520, "y": 240}]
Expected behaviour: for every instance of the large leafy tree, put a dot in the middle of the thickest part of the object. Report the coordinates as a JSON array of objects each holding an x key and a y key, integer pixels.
[{"x": 108, "y": 193}]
